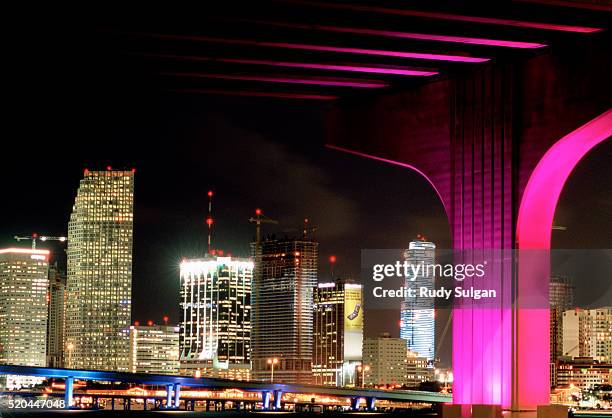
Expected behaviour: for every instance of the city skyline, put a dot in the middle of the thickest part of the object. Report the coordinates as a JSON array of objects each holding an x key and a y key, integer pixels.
[{"x": 221, "y": 225}]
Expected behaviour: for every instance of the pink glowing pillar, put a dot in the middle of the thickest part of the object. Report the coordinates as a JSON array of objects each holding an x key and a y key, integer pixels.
[{"x": 533, "y": 233}]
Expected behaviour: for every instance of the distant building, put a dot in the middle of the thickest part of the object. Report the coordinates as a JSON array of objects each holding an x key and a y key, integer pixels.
[
  {"x": 583, "y": 373},
  {"x": 561, "y": 291},
  {"x": 286, "y": 274},
  {"x": 215, "y": 331},
  {"x": 154, "y": 349},
  {"x": 588, "y": 333},
  {"x": 600, "y": 341},
  {"x": 418, "y": 370},
  {"x": 384, "y": 360},
  {"x": 417, "y": 315},
  {"x": 24, "y": 280},
  {"x": 338, "y": 333},
  {"x": 56, "y": 317},
  {"x": 99, "y": 281}
]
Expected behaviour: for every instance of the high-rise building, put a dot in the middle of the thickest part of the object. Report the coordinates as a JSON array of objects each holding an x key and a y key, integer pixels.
[
  {"x": 561, "y": 291},
  {"x": 384, "y": 360},
  {"x": 285, "y": 276},
  {"x": 588, "y": 333},
  {"x": 154, "y": 349},
  {"x": 99, "y": 282},
  {"x": 215, "y": 331},
  {"x": 417, "y": 315},
  {"x": 23, "y": 311},
  {"x": 338, "y": 333},
  {"x": 55, "y": 317}
]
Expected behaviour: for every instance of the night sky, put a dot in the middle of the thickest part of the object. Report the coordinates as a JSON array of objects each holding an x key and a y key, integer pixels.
[{"x": 72, "y": 110}]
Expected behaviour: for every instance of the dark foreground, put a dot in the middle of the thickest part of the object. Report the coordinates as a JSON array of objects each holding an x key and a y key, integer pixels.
[
  {"x": 23, "y": 413},
  {"x": 27, "y": 413}
]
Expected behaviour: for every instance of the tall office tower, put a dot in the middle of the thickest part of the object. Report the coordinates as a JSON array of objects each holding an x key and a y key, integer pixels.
[
  {"x": 417, "y": 315},
  {"x": 154, "y": 349},
  {"x": 561, "y": 291},
  {"x": 99, "y": 283},
  {"x": 215, "y": 332},
  {"x": 286, "y": 274},
  {"x": 338, "y": 333},
  {"x": 23, "y": 311},
  {"x": 588, "y": 333},
  {"x": 384, "y": 360},
  {"x": 55, "y": 317}
]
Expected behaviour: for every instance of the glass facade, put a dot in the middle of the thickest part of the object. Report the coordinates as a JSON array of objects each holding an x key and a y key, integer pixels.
[
  {"x": 215, "y": 331},
  {"x": 286, "y": 275},
  {"x": 99, "y": 282},
  {"x": 417, "y": 315}
]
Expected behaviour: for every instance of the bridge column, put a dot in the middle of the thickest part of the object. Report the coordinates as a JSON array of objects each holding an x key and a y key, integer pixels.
[
  {"x": 177, "y": 395},
  {"x": 371, "y": 403},
  {"x": 355, "y": 404},
  {"x": 168, "y": 396},
  {"x": 265, "y": 399},
  {"x": 68, "y": 391},
  {"x": 278, "y": 396}
]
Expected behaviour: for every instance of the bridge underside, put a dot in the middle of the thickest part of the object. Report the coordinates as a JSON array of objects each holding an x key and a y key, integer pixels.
[{"x": 478, "y": 138}]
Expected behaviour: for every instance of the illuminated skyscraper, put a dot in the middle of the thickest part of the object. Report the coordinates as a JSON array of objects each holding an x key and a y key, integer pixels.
[
  {"x": 56, "y": 317},
  {"x": 561, "y": 299},
  {"x": 99, "y": 283},
  {"x": 23, "y": 311},
  {"x": 417, "y": 315},
  {"x": 338, "y": 333},
  {"x": 215, "y": 332},
  {"x": 154, "y": 349},
  {"x": 282, "y": 309}
]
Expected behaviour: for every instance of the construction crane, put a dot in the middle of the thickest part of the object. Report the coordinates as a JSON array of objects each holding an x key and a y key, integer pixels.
[
  {"x": 259, "y": 219},
  {"x": 35, "y": 237}
]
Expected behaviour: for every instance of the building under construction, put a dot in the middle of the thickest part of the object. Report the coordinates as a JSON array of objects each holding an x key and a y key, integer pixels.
[{"x": 282, "y": 336}]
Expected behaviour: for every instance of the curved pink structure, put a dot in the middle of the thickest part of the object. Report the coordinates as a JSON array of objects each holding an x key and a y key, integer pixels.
[{"x": 533, "y": 232}]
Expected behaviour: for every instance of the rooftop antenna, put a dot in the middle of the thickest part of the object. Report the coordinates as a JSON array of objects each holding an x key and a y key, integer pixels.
[
  {"x": 209, "y": 219},
  {"x": 332, "y": 263}
]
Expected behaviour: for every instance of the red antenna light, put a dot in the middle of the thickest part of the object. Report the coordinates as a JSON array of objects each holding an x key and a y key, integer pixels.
[
  {"x": 165, "y": 318},
  {"x": 209, "y": 220},
  {"x": 86, "y": 171},
  {"x": 136, "y": 323},
  {"x": 258, "y": 212},
  {"x": 109, "y": 168},
  {"x": 220, "y": 252},
  {"x": 34, "y": 235},
  {"x": 133, "y": 170},
  {"x": 332, "y": 259},
  {"x": 150, "y": 323}
]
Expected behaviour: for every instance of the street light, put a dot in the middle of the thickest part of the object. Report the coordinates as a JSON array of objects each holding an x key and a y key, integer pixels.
[
  {"x": 272, "y": 362},
  {"x": 362, "y": 370},
  {"x": 69, "y": 347}
]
